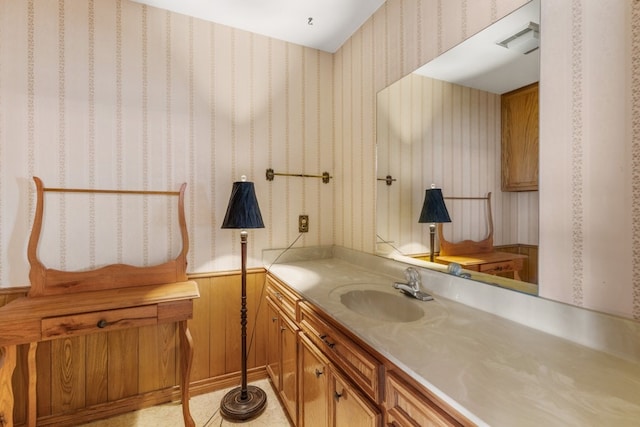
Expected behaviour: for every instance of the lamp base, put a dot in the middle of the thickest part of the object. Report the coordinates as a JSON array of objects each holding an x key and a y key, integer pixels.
[{"x": 233, "y": 407}]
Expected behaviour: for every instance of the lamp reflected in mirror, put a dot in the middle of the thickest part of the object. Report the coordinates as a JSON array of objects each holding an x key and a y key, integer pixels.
[
  {"x": 443, "y": 123},
  {"x": 434, "y": 211}
]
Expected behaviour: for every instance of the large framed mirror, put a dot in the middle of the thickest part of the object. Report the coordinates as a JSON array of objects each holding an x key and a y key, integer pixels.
[{"x": 442, "y": 125}]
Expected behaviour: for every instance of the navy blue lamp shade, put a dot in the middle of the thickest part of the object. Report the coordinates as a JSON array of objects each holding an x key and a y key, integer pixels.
[
  {"x": 434, "y": 209},
  {"x": 243, "y": 210}
]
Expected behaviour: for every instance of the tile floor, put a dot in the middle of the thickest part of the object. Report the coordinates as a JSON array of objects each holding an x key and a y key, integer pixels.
[{"x": 204, "y": 410}]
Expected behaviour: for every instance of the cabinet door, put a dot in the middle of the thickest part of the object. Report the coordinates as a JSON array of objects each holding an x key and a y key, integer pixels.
[
  {"x": 520, "y": 139},
  {"x": 314, "y": 385},
  {"x": 350, "y": 407},
  {"x": 289, "y": 357},
  {"x": 273, "y": 345}
]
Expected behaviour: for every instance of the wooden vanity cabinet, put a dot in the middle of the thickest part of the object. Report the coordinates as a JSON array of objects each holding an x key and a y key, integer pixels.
[
  {"x": 341, "y": 380},
  {"x": 328, "y": 398},
  {"x": 348, "y": 406},
  {"x": 361, "y": 367},
  {"x": 353, "y": 375},
  {"x": 313, "y": 385},
  {"x": 282, "y": 347},
  {"x": 519, "y": 144}
]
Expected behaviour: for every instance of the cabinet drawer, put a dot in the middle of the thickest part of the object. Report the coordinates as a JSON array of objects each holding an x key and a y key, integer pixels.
[
  {"x": 498, "y": 267},
  {"x": 406, "y": 406},
  {"x": 283, "y": 298},
  {"x": 109, "y": 320},
  {"x": 361, "y": 367}
]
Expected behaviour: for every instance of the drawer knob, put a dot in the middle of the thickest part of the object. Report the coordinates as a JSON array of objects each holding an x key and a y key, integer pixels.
[
  {"x": 102, "y": 323},
  {"x": 318, "y": 373},
  {"x": 327, "y": 342},
  {"x": 337, "y": 395}
]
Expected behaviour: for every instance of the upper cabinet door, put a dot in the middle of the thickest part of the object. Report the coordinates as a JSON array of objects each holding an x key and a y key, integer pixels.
[{"x": 520, "y": 139}]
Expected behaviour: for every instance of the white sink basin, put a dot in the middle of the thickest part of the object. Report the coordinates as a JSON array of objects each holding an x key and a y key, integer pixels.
[
  {"x": 383, "y": 306},
  {"x": 383, "y": 303}
]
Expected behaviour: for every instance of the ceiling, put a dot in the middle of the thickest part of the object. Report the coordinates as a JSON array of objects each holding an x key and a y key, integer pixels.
[
  {"x": 479, "y": 62},
  {"x": 319, "y": 24}
]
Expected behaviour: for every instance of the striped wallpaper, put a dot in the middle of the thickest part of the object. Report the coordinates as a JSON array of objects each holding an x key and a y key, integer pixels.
[
  {"x": 114, "y": 94},
  {"x": 588, "y": 179},
  {"x": 397, "y": 39},
  {"x": 107, "y": 94},
  {"x": 430, "y": 131}
]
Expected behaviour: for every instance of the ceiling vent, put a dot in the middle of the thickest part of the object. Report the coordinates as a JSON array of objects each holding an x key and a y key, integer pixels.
[{"x": 524, "y": 41}]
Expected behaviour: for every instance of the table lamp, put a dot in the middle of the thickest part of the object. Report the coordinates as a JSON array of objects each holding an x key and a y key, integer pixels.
[{"x": 433, "y": 211}]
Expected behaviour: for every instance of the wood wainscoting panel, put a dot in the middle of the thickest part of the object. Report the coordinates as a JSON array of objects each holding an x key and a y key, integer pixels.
[
  {"x": 230, "y": 294},
  {"x": 216, "y": 329},
  {"x": 43, "y": 376},
  {"x": 257, "y": 322},
  {"x": 123, "y": 364},
  {"x": 157, "y": 358},
  {"x": 68, "y": 374},
  {"x": 107, "y": 373},
  {"x": 96, "y": 366}
]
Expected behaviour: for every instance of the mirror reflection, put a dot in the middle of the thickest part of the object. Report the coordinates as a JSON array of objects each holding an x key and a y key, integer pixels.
[{"x": 466, "y": 123}]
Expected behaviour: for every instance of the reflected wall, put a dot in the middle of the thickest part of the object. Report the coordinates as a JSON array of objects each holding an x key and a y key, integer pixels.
[
  {"x": 594, "y": 269},
  {"x": 430, "y": 131}
]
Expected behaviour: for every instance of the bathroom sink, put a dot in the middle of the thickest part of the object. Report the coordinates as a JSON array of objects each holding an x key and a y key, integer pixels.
[{"x": 381, "y": 305}]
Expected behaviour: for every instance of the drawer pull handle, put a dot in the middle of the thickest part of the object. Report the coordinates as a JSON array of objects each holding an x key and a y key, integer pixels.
[
  {"x": 282, "y": 329},
  {"x": 318, "y": 373},
  {"x": 274, "y": 319},
  {"x": 322, "y": 337},
  {"x": 102, "y": 323},
  {"x": 337, "y": 395},
  {"x": 327, "y": 342}
]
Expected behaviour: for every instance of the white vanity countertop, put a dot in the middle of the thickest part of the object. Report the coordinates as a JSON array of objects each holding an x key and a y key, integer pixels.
[{"x": 494, "y": 371}]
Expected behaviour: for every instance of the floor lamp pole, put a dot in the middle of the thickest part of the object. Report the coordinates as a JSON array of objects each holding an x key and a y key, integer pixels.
[
  {"x": 243, "y": 313},
  {"x": 244, "y": 402}
]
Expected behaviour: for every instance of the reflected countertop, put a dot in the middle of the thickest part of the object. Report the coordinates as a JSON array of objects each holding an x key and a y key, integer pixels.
[{"x": 493, "y": 370}]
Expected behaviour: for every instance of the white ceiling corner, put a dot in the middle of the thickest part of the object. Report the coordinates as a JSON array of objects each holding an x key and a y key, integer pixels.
[
  {"x": 479, "y": 62},
  {"x": 332, "y": 23}
]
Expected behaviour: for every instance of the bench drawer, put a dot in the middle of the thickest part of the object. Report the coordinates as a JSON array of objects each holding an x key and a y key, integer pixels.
[{"x": 100, "y": 321}]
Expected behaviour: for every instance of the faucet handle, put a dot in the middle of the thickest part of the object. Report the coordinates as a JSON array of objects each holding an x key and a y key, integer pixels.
[{"x": 412, "y": 275}]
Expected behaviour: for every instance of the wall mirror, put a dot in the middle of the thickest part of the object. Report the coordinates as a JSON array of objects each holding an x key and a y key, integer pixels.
[{"x": 441, "y": 125}]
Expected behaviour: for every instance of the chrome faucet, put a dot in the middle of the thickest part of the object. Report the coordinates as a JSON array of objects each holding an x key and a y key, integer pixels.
[{"x": 412, "y": 287}]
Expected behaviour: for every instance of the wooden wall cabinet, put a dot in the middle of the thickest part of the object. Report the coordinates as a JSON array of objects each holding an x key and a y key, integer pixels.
[
  {"x": 520, "y": 130},
  {"x": 282, "y": 345}
]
